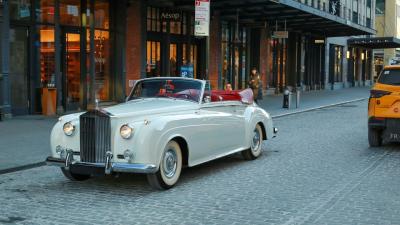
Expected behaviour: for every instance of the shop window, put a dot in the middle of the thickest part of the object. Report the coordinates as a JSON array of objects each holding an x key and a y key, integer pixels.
[
  {"x": 47, "y": 56},
  {"x": 225, "y": 55},
  {"x": 153, "y": 67},
  {"x": 153, "y": 20},
  {"x": 173, "y": 60},
  {"x": 337, "y": 70},
  {"x": 102, "y": 15},
  {"x": 45, "y": 11},
  {"x": 102, "y": 62},
  {"x": 20, "y": 10},
  {"x": 70, "y": 12},
  {"x": 175, "y": 27}
]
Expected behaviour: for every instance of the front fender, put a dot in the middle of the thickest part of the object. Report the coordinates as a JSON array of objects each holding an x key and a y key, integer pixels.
[{"x": 150, "y": 140}]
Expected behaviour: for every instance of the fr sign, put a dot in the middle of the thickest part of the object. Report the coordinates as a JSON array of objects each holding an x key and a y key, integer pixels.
[{"x": 202, "y": 18}]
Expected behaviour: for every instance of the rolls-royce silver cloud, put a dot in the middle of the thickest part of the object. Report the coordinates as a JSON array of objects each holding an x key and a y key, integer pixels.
[{"x": 165, "y": 124}]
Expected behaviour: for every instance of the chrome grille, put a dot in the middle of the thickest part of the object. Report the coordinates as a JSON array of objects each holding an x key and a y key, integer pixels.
[{"x": 95, "y": 136}]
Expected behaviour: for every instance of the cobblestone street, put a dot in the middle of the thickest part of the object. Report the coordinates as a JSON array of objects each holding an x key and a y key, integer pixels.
[{"x": 319, "y": 170}]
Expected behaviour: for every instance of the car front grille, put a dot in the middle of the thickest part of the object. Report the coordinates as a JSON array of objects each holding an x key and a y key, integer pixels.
[{"x": 95, "y": 136}]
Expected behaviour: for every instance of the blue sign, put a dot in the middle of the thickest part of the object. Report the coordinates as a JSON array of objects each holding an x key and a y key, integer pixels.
[{"x": 187, "y": 71}]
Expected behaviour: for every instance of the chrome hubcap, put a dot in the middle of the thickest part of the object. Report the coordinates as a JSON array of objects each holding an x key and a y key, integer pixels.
[
  {"x": 256, "y": 140},
  {"x": 170, "y": 163}
]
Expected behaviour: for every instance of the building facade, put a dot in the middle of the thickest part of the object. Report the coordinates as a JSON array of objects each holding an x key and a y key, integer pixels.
[
  {"x": 349, "y": 65},
  {"x": 72, "y": 53},
  {"x": 387, "y": 25}
]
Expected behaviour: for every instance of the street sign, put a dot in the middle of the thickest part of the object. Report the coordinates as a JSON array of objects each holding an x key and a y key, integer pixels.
[
  {"x": 202, "y": 18},
  {"x": 280, "y": 34}
]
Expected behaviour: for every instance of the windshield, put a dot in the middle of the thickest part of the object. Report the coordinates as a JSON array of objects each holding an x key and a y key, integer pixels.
[
  {"x": 391, "y": 77},
  {"x": 168, "y": 88}
]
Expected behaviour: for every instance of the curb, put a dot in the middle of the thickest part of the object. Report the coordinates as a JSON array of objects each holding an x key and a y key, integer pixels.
[
  {"x": 319, "y": 107},
  {"x": 40, "y": 164},
  {"x": 24, "y": 167}
]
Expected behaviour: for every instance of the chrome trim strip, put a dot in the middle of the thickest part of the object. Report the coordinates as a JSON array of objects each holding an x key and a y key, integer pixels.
[{"x": 115, "y": 167}]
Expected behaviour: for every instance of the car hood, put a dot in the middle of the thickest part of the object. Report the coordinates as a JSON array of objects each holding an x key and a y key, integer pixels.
[{"x": 150, "y": 106}]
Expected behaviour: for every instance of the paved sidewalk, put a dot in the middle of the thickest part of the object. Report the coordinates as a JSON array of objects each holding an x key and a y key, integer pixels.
[
  {"x": 313, "y": 99},
  {"x": 24, "y": 140}
]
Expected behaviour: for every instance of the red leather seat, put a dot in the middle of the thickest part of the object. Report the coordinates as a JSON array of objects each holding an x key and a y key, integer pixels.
[{"x": 221, "y": 95}]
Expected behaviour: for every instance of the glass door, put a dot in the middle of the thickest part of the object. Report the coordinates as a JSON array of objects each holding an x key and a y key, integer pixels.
[
  {"x": 19, "y": 70},
  {"x": 71, "y": 70},
  {"x": 173, "y": 60}
]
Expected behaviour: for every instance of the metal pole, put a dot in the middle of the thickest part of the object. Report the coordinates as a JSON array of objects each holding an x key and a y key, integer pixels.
[
  {"x": 92, "y": 69},
  {"x": 207, "y": 58},
  {"x": 57, "y": 59}
]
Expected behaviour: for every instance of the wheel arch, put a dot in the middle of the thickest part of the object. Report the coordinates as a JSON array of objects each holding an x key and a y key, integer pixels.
[
  {"x": 184, "y": 147},
  {"x": 264, "y": 132}
]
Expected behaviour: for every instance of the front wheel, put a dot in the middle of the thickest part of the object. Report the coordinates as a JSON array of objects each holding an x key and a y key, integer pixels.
[
  {"x": 256, "y": 144},
  {"x": 73, "y": 176},
  {"x": 170, "y": 168},
  {"x": 374, "y": 137}
]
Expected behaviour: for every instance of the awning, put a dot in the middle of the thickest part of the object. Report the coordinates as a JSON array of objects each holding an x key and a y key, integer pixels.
[
  {"x": 375, "y": 42},
  {"x": 298, "y": 16}
]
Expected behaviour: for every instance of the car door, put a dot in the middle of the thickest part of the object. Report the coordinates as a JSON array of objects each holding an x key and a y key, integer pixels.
[{"x": 225, "y": 128}]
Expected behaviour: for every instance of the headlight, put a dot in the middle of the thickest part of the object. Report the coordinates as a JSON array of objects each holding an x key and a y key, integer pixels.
[
  {"x": 126, "y": 131},
  {"x": 68, "y": 129}
]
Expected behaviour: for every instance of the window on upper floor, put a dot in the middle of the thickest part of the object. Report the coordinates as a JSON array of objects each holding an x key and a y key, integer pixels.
[{"x": 380, "y": 7}]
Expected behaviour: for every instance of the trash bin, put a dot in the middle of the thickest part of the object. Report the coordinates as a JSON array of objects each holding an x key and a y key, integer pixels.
[
  {"x": 287, "y": 99},
  {"x": 49, "y": 96}
]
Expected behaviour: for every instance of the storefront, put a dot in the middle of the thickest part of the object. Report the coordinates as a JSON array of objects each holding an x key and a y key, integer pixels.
[
  {"x": 60, "y": 55},
  {"x": 364, "y": 66},
  {"x": 171, "y": 48}
]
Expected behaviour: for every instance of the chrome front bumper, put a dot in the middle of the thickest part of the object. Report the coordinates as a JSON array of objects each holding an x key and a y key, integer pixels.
[{"x": 108, "y": 167}]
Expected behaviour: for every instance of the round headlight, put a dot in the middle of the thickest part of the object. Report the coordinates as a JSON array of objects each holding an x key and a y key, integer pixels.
[
  {"x": 126, "y": 131},
  {"x": 68, "y": 129}
]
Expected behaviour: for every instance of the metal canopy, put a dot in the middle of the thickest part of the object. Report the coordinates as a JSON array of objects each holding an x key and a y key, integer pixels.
[
  {"x": 299, "y": 17},
  {"x": 376, "y": 42}
]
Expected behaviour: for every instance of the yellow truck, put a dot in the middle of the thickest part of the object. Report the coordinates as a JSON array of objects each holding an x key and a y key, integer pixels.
[{"x": 384, "y": 108}]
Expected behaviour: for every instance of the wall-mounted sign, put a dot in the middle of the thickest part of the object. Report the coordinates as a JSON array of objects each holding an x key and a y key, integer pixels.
[
  {"x": 202, "y": 18},
  {"x": 280, "y": 34},
  {"x": 319, "y": 41},
  {"x": 170, "y": 15},
  {"x": 187, "y": 71}
]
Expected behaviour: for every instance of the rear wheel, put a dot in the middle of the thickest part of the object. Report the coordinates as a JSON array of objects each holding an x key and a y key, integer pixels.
[
  {"x": 256, "y": 144},
  {"x": 73, "y": 176},
  {"x": 170, "y": 168},
  {"x": 374, "y": 137}
]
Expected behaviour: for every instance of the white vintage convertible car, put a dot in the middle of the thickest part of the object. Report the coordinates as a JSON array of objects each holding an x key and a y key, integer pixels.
[{"x": 165, "y": 124}]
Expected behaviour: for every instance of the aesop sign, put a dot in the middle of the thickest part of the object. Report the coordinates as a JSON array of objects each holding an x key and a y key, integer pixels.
[{"x": 169, "y": 15}]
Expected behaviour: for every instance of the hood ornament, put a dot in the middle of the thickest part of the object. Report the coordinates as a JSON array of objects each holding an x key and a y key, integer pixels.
[{"x": 97, "y": 103}]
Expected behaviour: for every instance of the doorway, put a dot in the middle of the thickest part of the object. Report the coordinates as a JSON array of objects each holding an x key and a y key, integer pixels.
[
  {"x": 19, "y": 70},
  {"x": 71, "y": 68},
  {"x": 183, "y": 58}
]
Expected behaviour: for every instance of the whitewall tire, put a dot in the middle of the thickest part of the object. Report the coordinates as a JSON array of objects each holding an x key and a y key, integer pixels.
[
  {"x": 256, "y": 141},
  {"x": 170, "y": 168}
]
